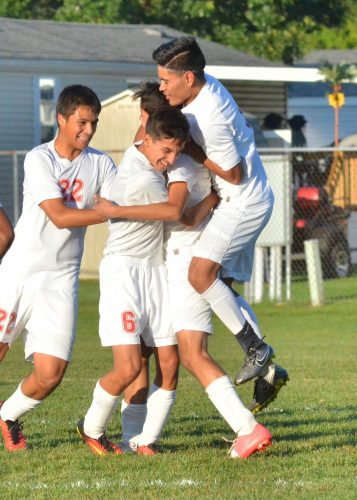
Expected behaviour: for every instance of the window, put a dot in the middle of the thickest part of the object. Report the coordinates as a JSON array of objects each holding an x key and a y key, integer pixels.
[{"x": 47, "y": 109}]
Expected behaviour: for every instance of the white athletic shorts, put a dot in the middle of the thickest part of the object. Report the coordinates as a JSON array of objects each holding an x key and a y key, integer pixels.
[
  {"x": 189, "y": 310},
  {"x": 229, "y": 239},
  {"x": 43, "y": 307},
  {"x": 134, "y": 302}
]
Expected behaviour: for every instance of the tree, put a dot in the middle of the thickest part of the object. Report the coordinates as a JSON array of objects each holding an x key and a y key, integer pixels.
[
  {"x": 29, "y": 9},
  {"x": 335, "y": 75},
  {"x": 273, "y": 29},
  {"x": 340, "y": 37}
]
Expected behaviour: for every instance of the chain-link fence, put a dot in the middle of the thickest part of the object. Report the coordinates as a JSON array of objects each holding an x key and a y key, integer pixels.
[{"x": 316, "y": 199}]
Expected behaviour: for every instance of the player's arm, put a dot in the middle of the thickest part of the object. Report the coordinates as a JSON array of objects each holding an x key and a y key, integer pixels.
[
  {"x": 170, "y": 210},
  {"x": 193, "y": 216},
  {"x": 6, "y": 233},
  {"x": 66, "y": 217},
  {"x": 233, "y": 175}
]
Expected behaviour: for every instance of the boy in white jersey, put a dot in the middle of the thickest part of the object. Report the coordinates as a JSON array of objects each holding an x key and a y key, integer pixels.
[
  {"x": 39, "y": 274},
  {"x": 6, "y": 232},
  {"x": 224, "y": 143},
  {"x": 190, "y": 315},
  {"x": 134, "y": 298}
]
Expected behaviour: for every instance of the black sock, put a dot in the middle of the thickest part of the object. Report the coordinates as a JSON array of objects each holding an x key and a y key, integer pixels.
[{"x": 247, "y": 338}]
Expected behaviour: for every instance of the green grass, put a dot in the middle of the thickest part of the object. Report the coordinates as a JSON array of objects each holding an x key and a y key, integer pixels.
[{"x": 313, "y": 422}]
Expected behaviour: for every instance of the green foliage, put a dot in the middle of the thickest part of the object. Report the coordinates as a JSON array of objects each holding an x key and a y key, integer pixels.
[
  {"x": 87, "y": 11},
  {"x": 313, "y": 420},
  {"x": 274, "y": 29},
  {"x": 336, "y": 74},
  {"x": 340, "y": 37},
  {"x": 29, "y": 9}
]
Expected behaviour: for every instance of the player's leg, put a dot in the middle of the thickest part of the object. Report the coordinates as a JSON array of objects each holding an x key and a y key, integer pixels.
[
  {"x": 3, "y": 350},
  {"x": 47, "y": 312},
  {"x": 46, "y": 376},
  {"x": 227, "y": 244},
  {"x": 119, "y": 298},
  {"x": 126, "y": 367},
  {"x": 251, "y": 437},
  {"x": 133, "y": 405},
  {"x": 270, "y": 382},
  {"x": 161, "y": 398}
]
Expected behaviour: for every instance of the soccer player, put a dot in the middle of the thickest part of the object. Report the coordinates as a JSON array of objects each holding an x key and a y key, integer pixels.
[
  {"x": 6, "y": 232},
  {"x": 6, "y": 238},
  {"x": 134, "y": 299},
  {"x": 190, "y": 313},
  {"x": 39, "y": 274},
  {"x": 224, "y": 143}
]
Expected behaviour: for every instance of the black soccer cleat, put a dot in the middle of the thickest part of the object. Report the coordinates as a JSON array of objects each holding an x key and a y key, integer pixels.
[
  {"x": 255, "y": 364},
  {"x": 266, "y": 388}
]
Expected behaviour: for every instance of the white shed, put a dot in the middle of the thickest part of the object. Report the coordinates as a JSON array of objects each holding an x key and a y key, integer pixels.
[{"x": 118, "y": 123}]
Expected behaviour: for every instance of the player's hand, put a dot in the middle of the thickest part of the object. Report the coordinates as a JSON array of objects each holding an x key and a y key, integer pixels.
[{"x": 104, "y": 207}]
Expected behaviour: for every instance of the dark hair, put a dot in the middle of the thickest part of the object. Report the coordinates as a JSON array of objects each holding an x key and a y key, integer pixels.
[
  {"x": 180, "y": 55},
  {"x": 297, "y": 122},
  {"x": 73, "y": 97},
  {"x": 168, "y": 124},
  {"x": 151, "y": 99},
  {"x": 273, "y": 121}
]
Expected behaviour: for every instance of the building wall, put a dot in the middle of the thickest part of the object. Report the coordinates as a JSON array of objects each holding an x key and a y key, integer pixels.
[
  {"x": 259, "y": 98},
  {"x": 16, "y": 111},
  {"x": 320, "y": 118}
]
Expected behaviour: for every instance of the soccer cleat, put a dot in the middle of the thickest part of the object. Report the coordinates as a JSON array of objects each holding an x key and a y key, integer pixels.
[
  {"x": 266, "y": 388},
  {"x": 14, "y": 440},
  {"x": 257, "y": 360},
  {"x": 258, "y": 440},
  {"x": 101, "y": 446},
  {"x": 146, "y": 449}
]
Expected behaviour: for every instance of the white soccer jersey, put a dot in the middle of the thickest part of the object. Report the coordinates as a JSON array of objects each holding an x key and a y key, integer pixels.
[
  {"x": 188, "y": 310},
  {"x": 136, "y": 183},
  {"x": 39, "y": 245},
  {"x": 219, "y": 127},
  {"x": 198, "y": 181}
]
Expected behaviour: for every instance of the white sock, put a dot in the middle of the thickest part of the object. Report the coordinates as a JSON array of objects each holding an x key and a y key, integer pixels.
[
  {"x": 249, "y": 315},
  {"x": 159, "y": 406},
  {"x": 102, "y": 408},
  {"x": 224, "y": 397},
  {"x": 223, "y": 302},
  {"x": 17, "y": 405},
  {"x": 132, "y": 422}
]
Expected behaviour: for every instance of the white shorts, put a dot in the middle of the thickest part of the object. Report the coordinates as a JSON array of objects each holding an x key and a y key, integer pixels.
[
  {"x": 43, "y": 307},
  {"x": 229, "y": 239},
  {"x": 134, "y": 302},
  {"x": 188, "y": 309}
]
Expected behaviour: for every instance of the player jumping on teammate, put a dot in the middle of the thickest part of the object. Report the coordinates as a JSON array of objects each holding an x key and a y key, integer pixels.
[{"x": 224, "y": 143}]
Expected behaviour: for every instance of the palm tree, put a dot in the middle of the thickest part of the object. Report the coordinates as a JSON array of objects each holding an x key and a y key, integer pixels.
[{"x": 336, "y": 75}]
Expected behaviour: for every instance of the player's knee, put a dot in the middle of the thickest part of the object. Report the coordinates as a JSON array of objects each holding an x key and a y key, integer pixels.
[
  {"x": 201, "y": 278},
  {"x": 196, "y": 279},
  {"x": 127, "y": 373},
  {"x": 49, "y": 381},
  {"x": 167, "y": 373},
  {"x": 189, "y": 359}
]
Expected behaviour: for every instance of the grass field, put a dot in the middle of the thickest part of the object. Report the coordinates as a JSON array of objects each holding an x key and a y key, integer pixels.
[{"x": 313, "y": 422}]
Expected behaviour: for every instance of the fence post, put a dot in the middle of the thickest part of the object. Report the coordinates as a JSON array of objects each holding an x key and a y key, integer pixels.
[{"x": 314, "y": 271}]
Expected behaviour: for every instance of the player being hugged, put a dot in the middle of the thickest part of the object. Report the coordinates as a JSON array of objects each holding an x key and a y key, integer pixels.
[{"x": 134, "y": 300}]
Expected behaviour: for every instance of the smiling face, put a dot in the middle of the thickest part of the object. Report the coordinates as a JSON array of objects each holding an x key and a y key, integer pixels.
[
  {"x": 161, "y": 153},
  {"x": 178, "y": 88},
  {"x": 76, "y": 131}
]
